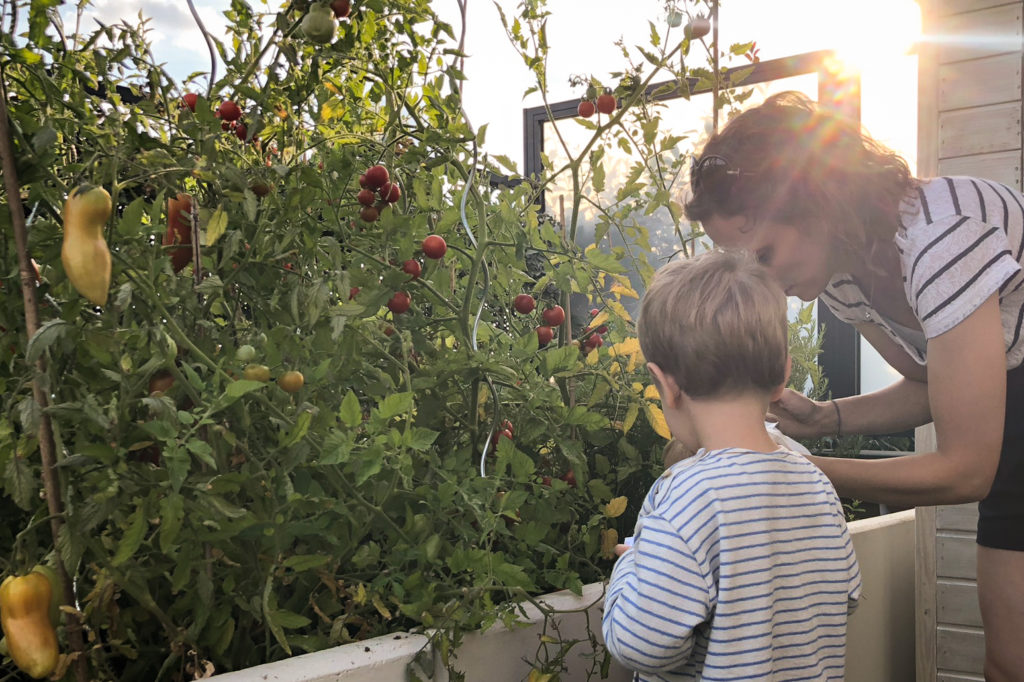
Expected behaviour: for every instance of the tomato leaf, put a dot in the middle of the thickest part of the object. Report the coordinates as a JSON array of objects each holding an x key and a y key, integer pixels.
[
  {"x": 350, "y": 413},
  {"x": 216, "y": 226},
  {"x": 49, "y": 333},
  {"x": 132, "y": 538}
]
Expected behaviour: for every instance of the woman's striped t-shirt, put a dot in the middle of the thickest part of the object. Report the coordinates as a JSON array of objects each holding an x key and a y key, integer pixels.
[
  {"x": 742, "y": 568},
  {"x": 960, "y": 240}
]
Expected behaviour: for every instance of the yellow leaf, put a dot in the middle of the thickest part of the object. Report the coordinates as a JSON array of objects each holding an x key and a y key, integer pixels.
[
  {"x": 620, "y": 310},
  {"x": 651, "y": 393},
  {"x": 637, "y": 387},
  {"x": 630, "y": 346},
  {"x": 360, "y": 596},
  {"x": 381, "y": 609},
  {"x": 631, "y": 415},
  {"x": 592, "y": 358},
  {"x": 599, "y": 319},
  {"x": 624, "y": 291},
  {"x": 615, "y": 507},
  {"x": 332, "y": 109},
  {"x": 216, "y": 227},
  {"x": 538, "y": 676},
  {"x": 609, "y": 538},
  {"x": 656, "y": 418}
]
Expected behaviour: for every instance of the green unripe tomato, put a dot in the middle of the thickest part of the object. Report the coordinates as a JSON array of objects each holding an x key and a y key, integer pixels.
[
  {"x": 319, "y": 24},
  {"x": 245, "y": 353}
]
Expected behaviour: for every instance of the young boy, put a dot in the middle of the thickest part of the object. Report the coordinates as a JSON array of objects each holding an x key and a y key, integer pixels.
[{"x": 742, "y": 567}]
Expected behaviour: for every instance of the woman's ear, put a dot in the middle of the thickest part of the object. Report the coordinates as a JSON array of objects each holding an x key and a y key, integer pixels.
[
  {"x": 781, "y": 388},
  {"x": 667, "y": 387}
]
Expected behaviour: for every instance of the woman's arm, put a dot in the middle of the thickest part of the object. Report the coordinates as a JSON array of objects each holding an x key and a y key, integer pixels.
[{"x": 967, "y": 397}]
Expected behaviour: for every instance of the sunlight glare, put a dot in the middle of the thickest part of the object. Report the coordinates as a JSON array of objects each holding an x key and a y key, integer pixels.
[{"x": 876, "y": 32}]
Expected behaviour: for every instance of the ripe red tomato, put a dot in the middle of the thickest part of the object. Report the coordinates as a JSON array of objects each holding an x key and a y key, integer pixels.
[
  {"x": 390, "y": 192},
  {"x": 594, "y": 312},
  {"x": 224, "y": 125},
  {"x": 593, "y": 341},
  {"x": 365, "y": 197},
  {"x": 352, "y": 292},
  {"x": 570, "y": 478},
  {"x": 554, "y": 316},
  {"x": 507, "y": 426},
  {"x": 524, "y": 304},
  {"x": 369, "y": 214},
  {"x": 241, "y": 132},
  {"x": 362, "y": 181},
  {"x": 229, "y": 111},
  {"x": 603, "y": 329},
  {"x": 376, "y": 176},
  {"x": 399, "y": 303},
  {"x": 606, "y": 103},
  {"x": 585, "y": 108},
  {"x": 341, "y": 8},
  {"x": 189, "y": 100},
  {"x": 434, "y": 246},
  {"x": 544, "y": 335},
  {"x": 412, "y": 268},
  {"x": 260, "y": 188}
]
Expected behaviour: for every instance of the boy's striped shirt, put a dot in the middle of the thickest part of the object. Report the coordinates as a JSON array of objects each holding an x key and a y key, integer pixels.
[
  {"x": 960, "y": 240},
  {"x": 742, "y": 569}
]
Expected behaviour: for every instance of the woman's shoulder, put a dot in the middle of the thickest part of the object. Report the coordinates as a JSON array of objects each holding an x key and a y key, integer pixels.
[{"x": 945, "y": 198}]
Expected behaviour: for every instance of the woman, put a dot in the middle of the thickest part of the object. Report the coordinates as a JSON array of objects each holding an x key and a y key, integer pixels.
[{"x": 929, "y": 272}]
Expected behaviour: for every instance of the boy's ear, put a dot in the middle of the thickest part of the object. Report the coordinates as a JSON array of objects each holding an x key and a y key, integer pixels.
[
  {"x": 667, "y": 387},
  {"x": 777, "y": 393}
]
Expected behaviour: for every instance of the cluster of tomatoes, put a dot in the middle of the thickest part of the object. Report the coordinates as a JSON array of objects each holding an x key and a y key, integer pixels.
[
  {"x": 376, "y": 183},
  {"x": 604, "y": 103},
  {"x": 229, "y": 113},
  {"x": 593, "y": 338},
  {"x": 434, "y": 247},
  {"x": 553, "y": 316}
]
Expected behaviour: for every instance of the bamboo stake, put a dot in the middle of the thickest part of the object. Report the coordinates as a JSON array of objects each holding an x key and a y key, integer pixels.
[{"x": 47, "y": 448}]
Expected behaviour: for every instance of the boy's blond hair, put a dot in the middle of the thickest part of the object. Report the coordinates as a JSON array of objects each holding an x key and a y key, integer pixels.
[{"x": 717, "y": 324}]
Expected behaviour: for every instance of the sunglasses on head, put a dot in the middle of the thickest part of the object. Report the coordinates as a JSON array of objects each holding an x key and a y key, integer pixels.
[{"x": 712, "y": 174}]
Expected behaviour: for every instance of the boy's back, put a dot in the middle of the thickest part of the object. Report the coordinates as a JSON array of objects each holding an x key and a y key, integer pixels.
[{"x": 742, "y": 570}]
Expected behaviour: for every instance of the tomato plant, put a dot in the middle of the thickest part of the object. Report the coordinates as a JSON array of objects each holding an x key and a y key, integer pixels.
[{"x": 217, "y": 520}]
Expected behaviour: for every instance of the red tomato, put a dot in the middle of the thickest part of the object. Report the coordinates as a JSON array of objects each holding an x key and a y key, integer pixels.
[
  {"x": 507, "y": 426},
  {"x": 352, "y": 292},
  {"x": 594, "y": 312},
  {"x": 698, "y": 28},
  {"x": 524, "y": 304},
  {"x": 365, "y": 197},
  {"x": 606, "y": 103},
  {"x": 554, "y": 316},
  {"x": 341, "y": 8},
  {"x": 190, "y": 99},
  {"x": 241, "y": 132},
  {"x": 399, "y": 303},
  {"x": 585, "y": 108},
  {"x": 369, "y": 214},
  {"x": 229, "y": 111},
  {"x": 412, "y": 268},
  {"x": 376, "y": 176},
  {"x": 570, "y": 478},
  {"x": 544, "y": 335},
  {"x": 603, "y": 329},
  {"x": 362, "y": 181},
  {"x": 434, "y": 246},
  {"x": 390, "y": 192}
]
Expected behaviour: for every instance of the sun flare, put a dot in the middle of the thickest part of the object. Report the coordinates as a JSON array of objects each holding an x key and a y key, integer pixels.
[{"x": 877, "y": 32}]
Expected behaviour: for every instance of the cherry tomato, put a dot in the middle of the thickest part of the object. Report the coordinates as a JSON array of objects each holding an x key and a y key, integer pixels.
[
  {"x": 606, "y": 103},
  {"x": 412, "y": 268},
  {"x": 585, "y": 108},
  {"x": 524, "y": 304},
  {"x": 390, "y": 192},
  {"x": 554, "y": 316},
  {"x": 189, "y": 100},
  {"x": 376, "y": 176},
  {"x": 369, "y": 214},
  {"x": 399, "y": 303},
  {"x": 365, "y": 197},
  {"x": 544, "y": 335},
  {"x": 229, "y": 111},
  {"x": 341, "y": 8},
  {"x": 434, "y": 247},
  {"x": 291, "y": 381}
]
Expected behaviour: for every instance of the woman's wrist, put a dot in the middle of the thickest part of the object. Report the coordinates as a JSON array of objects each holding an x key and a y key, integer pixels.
[{"x": 838, "y": 430}]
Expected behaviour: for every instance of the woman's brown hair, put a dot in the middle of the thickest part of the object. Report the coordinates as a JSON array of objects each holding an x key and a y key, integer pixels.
[{"x": 791, "y": 162}]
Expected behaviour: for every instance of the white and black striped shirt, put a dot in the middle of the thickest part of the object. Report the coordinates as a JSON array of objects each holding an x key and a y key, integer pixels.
[
  {"x": 742, "y": 568},
  {"x": 960, "y": 240}
]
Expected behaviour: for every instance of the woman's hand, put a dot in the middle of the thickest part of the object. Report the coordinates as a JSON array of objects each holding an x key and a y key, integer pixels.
[{"x": 801, "y": 417}]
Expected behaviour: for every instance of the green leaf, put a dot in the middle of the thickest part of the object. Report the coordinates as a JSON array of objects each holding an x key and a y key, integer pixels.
[
  {"x": 19, "y": 482},
  {"x": 45, "y": 336},
  {"x": 299, "y": 431},
  {"x": 394, "y": 405},
  {"x": 269, "y": 612},
  {"x": 216, "y": 226},
  {"x": 171, "y": 516},
  {"x": 350, "y": 413},
  {"x": 132, "y": 538},
  {"x": 605, "y": 261},
  {"x": 304, "y": 562},
  {"x": 418, "y": 438},
  {"x": 131, "y": 219},
  {"x": 290, "y": 620},
  {"x": 368, "y": 463}
]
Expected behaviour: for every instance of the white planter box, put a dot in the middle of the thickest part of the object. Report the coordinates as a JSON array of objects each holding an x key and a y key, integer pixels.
[{"x": 880, "y": 641}]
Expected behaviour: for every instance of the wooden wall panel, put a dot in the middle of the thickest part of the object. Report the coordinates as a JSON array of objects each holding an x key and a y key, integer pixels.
[
  {"x": 983, "y": 33},
  {"x": 981, "y": 130},
  {"x": 960, "y": 650},
  {"x": 1004, "y": 167},
  {"x": 955, "y": 555},
  {"x": 958, "y": 517},
  {"x": 957, "y": 602},
  {"x": 991, "y": 80},
  {"x": 959, "y": 677},
  {"x": 945, "y": 7}
]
